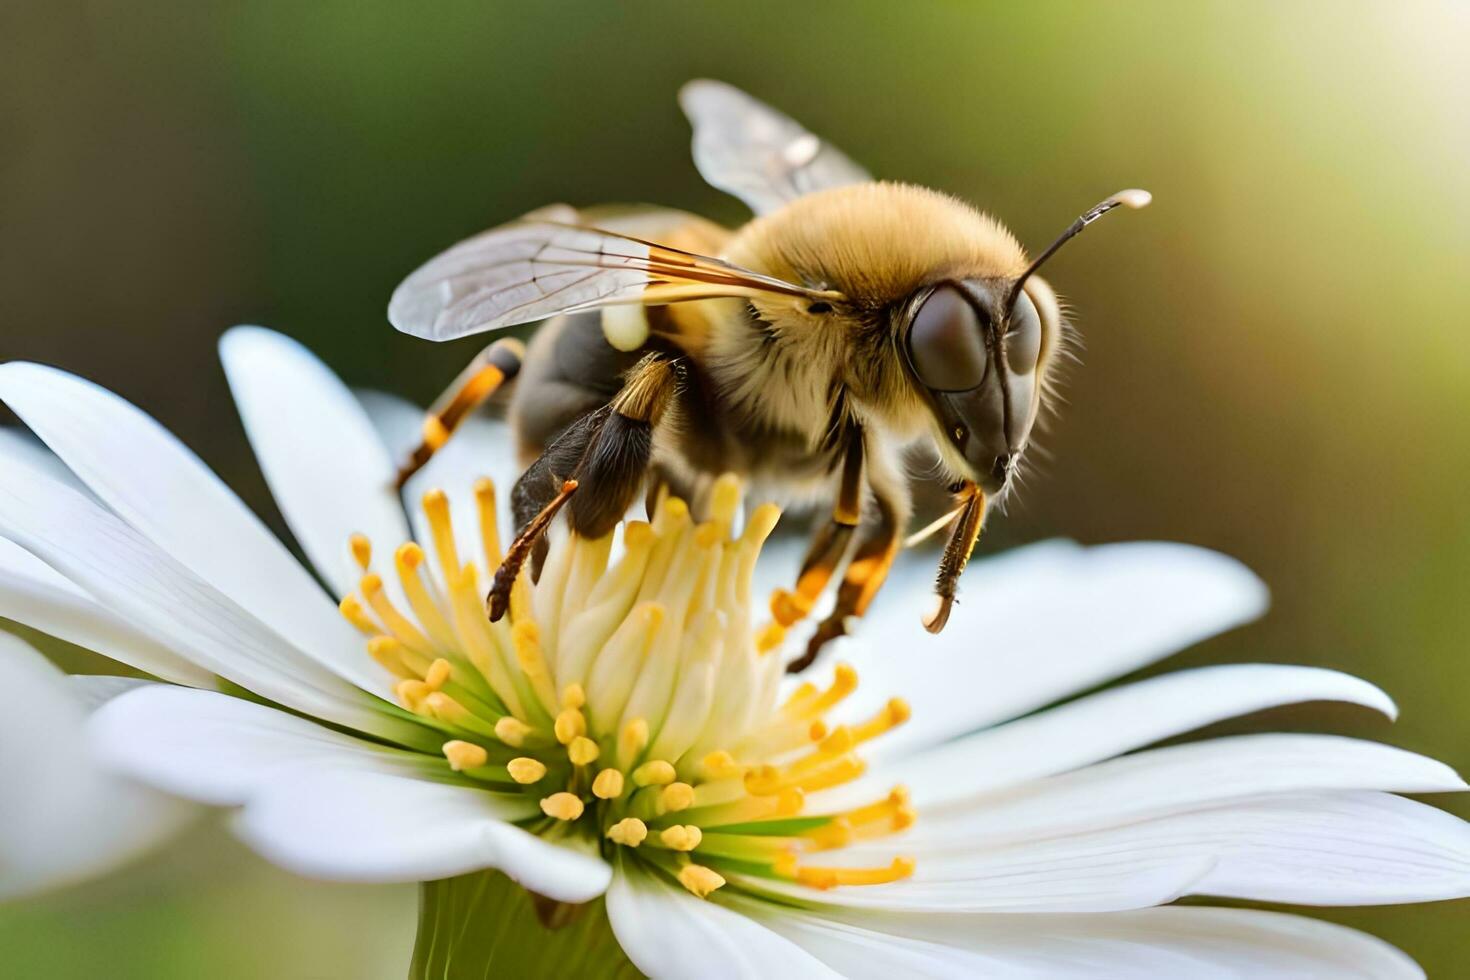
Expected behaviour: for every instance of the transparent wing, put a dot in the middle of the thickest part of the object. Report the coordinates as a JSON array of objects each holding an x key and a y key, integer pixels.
[
  {"x": 545, "y": 265},
  {"x": 750, "y": 150}
]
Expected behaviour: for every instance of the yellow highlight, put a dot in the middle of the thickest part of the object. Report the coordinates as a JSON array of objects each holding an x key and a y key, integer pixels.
[
  {"x": 512, "y": 731},
  {"x": 608, "y": 785},
  {"x": 526, "y": 771},
  {"x": 562, "y": 806},
  {"x": 629, "y": 832},
  {"x": 654, "y": 773},
  {"x": 685, "y": 837},
  {"x": 699, "y": 879},
  {"x": 464, "y": 755},
  {"x": 583, "y": 751},
  {"x": 676, "y": 796}
]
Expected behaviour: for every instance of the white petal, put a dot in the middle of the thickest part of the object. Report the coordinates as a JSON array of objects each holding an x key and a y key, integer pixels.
[
  {"x": 151, "y": 480},
  {"x": 669, "y": 933},
  {"x": 1038, "y": 624},
  {"x": 1176, "y": 779},
  {"x": 1116, "y": 721},
  {"x": 20, "y": 447},
  {"x": 31, "y": 592},
  {"x": 1198, "y": 943},
  {"x": 62, "y": 817},
  {"x": 134, "y": 578},
  {"x": 219, "y": 749},
  {"x": 1318, "y": 849},
  {"x": 321, "y": 456},
  {"x": 481, "y": 447},
  {"x": 364, "y": 826}
]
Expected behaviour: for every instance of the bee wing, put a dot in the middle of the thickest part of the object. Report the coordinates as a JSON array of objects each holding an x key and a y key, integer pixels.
[
  {"x": 542, "y": 266},
  {"x": 748, "y": 149}
]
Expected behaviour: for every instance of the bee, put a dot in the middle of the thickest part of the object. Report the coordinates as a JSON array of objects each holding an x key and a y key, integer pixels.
[{"x": 848, "y": 322}]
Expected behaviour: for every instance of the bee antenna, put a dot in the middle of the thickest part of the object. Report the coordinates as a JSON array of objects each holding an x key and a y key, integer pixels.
[{"x": 1132, "y": 198}]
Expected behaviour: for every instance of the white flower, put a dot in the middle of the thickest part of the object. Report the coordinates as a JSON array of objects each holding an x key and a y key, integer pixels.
[
  {"x": 63, "y": 818},
  {"x": 627, "y": 730}
]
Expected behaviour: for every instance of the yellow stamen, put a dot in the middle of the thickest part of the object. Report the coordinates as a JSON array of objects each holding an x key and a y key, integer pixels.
[
  {"x": 404, "y": 631},
  {"x": 386, "y": 651},
  {"x": 629, "y": 832},
  {"x": 437, "y": 673},
  {"x": 362, "y": 551},
  {"x": 676, "y": 796},
  {"x": 699, "y": 879},
  {"x": 570, "y": 724},
  {"x": 768, "y": 780},
  {"x": 685, "y": 837},
  {"x": 441, "y": 530},
  {"x": 583, "y": 751},
  {"x": 829, "y": 836},
  {"x": 572, "y": 696},
  {"x": 512, "y": 731},
  {"x": 825, "y": 878},
  {"x": 655, "y": 772},
  {"x": 526, "y": 638},
  {"x": 352, "y": 611},
  {"x": 489, "y": 529},
  {"x": 464, "y": 755},
  {"x": 885, "y": 809},
  {"x": 633, "y": 740},
  {"x": 562, "y": 806},
  {"x": 526, "y": 771},
  {"x": 771, "y": 636},
  {"x": 608, "y": 785},
  {"x": 412, "y": 693},
  {"x": 451, "y": 712},
  {"x": 406, "y": 561},
  {"x": 844, "y": 682},
  {"x": 720, "y": 764}
]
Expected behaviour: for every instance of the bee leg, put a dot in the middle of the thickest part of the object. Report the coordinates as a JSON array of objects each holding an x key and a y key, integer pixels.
[
  {"x": 606, "y": 454},
  {"x": 491, "y": 368},
  {"x": 865, "y": 575},
  {"x": 962, "y": 537},
  {"x": 831, "y": 541}
]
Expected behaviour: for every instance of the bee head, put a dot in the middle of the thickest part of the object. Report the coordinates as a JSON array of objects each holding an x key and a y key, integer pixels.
[{"x": 977, "y": 348}]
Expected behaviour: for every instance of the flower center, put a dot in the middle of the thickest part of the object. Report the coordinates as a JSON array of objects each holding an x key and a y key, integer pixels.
[{"x": 632, "y": 696}]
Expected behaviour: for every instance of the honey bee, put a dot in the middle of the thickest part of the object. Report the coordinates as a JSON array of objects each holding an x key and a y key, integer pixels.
[{"x": 850, "y": 320}]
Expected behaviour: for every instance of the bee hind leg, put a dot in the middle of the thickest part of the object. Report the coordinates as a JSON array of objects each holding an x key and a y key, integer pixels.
[
  {"x": 596, "y": 469},
  {"x": 830, "y": 544},
  {"x": 491, "y": 369},
  {"x": 865, "y": 575}
]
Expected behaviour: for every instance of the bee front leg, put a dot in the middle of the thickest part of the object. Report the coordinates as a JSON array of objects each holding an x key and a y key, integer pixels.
[
  {"x": 492, "y": 368},
  {"x": 831, "y": 541},
  {"x": 962, "y": 537},
  {"x": 596, "y": 469}
]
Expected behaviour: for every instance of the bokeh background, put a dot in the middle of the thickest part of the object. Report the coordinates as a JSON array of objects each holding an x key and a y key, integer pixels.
[{"x": 1277, "y": 362}]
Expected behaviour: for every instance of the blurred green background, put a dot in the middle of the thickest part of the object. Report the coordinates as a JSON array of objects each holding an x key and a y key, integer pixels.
[{"x": 1277, "y": 363}]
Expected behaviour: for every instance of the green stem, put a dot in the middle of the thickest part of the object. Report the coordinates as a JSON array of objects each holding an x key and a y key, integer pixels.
[{"x": 484, "y": 925}]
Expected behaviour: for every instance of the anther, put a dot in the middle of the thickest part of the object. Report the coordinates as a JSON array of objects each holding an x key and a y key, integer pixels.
[
  {"x": 608, "y": 785},
  {"x": 385, "y": 650},
  {"x": 362, "y": 551},
  {"x": 572, "y": 696},
  {"x": 676, "y": 796},
  {"x": 629, "y": 832},
  {"x": 720, "y": 764},
  {"x": 441, "y": 529},
  {"x": 562, "y": 806},
  {"x": 681, "y": 837},
  {"x": 352, "y": 611},
  {"x": 489, "y": 529},
  {"x": 902, "y": 867},
  {"x": 699, "y": 879},
  {"x": 512, "y": 731},
  {"x": 656, "y": 772},
  {"x": 437, "y": 674},
  {"x": 527, "y": 771},
  {"x": 464, "y": 755},
  {"x": 569, "y": 724},
  {"x": 582, "y": 751}
]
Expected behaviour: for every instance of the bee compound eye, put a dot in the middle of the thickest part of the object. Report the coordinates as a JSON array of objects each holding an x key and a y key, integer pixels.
[
  {"x": 1023, "y": 336},
  {"x": 946, "y": 343}
]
